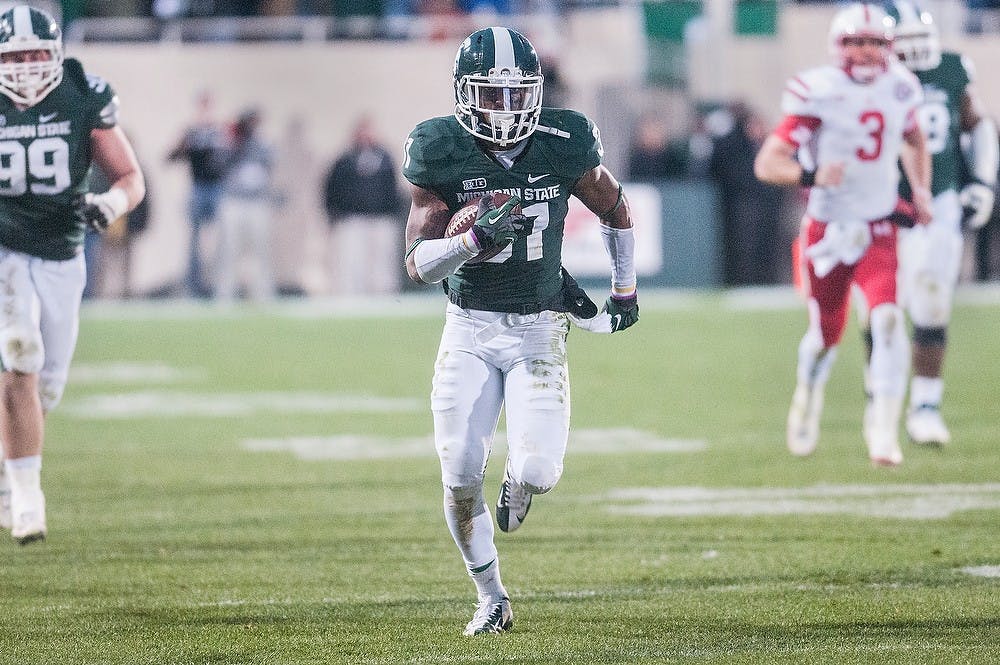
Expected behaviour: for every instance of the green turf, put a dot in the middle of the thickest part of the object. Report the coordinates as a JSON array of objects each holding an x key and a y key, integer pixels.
[{"x": 170, "y": 542}]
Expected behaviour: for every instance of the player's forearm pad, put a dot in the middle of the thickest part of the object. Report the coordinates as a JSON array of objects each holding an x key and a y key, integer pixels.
[
  {"x": 620, "y": 244},
  {"x": 437, "y": 258}
]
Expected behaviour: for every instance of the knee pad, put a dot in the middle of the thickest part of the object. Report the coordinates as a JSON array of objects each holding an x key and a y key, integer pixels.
[
  {"x": 540, "y": 474},
  {"x": 936, "y": 337},
  {"x": 50, "y": 395},
  {"x": 21, "y": 350},
  {"x": 930, "y": 300}
]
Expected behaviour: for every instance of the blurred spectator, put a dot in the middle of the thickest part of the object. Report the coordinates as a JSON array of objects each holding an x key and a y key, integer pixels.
[
  {"x": 688, "y": 156},
  {"x": 649, "y": 158},
  {"x": 299, "y": 257},
  {"x": 245, "y": 213},
  {"x": 201, "y": 146},
  {"x": 753, "y": 239},
  {"x": 983, "y": 16},
  {"x": 556, "y": 93},
  {"x": 362, "y": 203}
]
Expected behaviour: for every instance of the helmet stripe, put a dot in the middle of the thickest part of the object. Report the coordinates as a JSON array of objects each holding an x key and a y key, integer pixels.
[
  {"x": 22, "y": 22},
  {"x": 503, "y": 47}
]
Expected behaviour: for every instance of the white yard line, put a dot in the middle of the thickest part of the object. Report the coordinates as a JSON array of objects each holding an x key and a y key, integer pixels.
[
  {"x": 892, "y": 501},
  {"x": 361, "y": 446}
]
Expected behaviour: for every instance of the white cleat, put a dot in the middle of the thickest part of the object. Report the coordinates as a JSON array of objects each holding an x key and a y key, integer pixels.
[
  {"x": 513, "y": 503},
  {"x": 803, "y": 419},
  {"x": 5, "y": 518},
  {"x": 881, "y": 430},
  {"x": 883, "y": 448},
  {"x": 926, "y": 427},
  {"x": 492, "y": 616},
  {"x": 28, "y": 517}
]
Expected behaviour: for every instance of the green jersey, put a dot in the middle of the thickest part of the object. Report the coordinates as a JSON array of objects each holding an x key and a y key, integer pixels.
[
  {"x": 940, "y": 119},
  {"x": 444, "y": 158},
  {"x": 45, "y": 163}
]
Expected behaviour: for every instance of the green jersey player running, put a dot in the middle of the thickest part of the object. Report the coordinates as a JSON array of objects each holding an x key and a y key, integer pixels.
[
  {"x": 504, "y": 339},
  {"x": 961, "y": 140},
  {"x": 54, "y": 119}
]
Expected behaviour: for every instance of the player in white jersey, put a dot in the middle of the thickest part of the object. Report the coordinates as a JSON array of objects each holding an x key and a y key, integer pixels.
[{"x": 845, "y": 128}]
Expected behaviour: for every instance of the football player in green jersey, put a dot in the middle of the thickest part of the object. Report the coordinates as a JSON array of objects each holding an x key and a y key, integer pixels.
[
  {"x": 54, "y": 119},
  {"x": 957, "y": 130},
  {"x": 504, "y": 339}
]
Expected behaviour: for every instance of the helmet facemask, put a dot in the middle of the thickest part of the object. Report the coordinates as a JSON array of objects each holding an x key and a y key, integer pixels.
[
  {"x": 917, "y": 42},
  {"x": 31, "y": 55},
  {"x": 862, "y": 23},
  {"x": 500, "y": 107},
  {"x": 498, "y": 86}
]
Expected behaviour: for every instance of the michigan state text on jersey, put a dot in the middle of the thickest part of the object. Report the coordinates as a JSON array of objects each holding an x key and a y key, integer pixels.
[
  {"x": 444, "y": 158},
  {"x": 504, "y": 341},
  {"x": 53, "y": 121},
  {"x": 45, "y": 153}
]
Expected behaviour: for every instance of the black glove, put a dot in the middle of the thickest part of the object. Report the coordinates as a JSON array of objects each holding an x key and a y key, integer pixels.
[
  {"x": 497, "y": 227},
  {"x": 904, "y": 214},
  {"x": 97, "y": 211},
  {"x": 624, "y": 312}
]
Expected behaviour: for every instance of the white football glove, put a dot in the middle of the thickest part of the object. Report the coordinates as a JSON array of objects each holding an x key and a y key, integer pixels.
[
  {"x": 99, "y": 210},
  {"x": 977, "y": 204}
]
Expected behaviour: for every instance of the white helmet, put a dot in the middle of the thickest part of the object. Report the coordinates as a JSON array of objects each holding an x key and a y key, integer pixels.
[
  {"x": 24, "y": 28},
  {"x": 917, "y": 42},
  {"x": 863, "y": 21}
]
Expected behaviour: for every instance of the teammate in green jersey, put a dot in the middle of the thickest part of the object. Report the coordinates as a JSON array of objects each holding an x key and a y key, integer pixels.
[
  {"x": 54, "y": 119},
  {"x": 504, "y": 339},
  {"x": 958, "y": 130}
]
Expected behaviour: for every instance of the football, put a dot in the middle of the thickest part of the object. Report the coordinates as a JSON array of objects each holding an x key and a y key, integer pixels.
[{"x": 463, "y": 220}]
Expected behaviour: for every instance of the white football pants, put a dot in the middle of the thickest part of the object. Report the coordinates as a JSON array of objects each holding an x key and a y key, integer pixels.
[
  {"x": 488, "y": 360},
  {"x": 930, "y": 259},
  {"x": 39, "y": 318}
]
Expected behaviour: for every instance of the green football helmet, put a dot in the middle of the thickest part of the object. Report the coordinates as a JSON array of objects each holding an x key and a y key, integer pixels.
[
  {"x": 498, "y": 86},
  {"x": 917, "y": 43},
  {"x": 27, "y": 76}
]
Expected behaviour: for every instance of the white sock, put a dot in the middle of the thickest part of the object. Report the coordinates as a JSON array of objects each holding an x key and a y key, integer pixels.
[
  {"x": 487, "y": 581},
  {"x": 25, "y": 473},
  {"x": 926, "y": 390}
]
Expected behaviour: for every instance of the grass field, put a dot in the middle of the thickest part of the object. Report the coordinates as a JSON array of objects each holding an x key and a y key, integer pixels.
[{"x": 259, "y": 486}]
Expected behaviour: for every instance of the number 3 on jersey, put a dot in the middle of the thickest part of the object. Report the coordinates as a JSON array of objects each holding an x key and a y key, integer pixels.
[
  {"x": 873, "y": 121},
  {"x": 46, "y": 160},
  {"x": 540, "y": 213}
]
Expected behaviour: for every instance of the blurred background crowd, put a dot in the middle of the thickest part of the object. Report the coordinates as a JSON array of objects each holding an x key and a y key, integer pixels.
[{"x": 271, "y": 131}]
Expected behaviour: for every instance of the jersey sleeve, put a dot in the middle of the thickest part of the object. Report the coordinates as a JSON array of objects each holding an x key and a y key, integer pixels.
[
  {"x": 575, "y": 140},
  {"x": 434, "y": 152},
  {"x": 966, "y": 71},
  {"x": 797, "y": 129},
  {"x": 801, "y": 97},
  {"x": 100, "y": 101}
]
